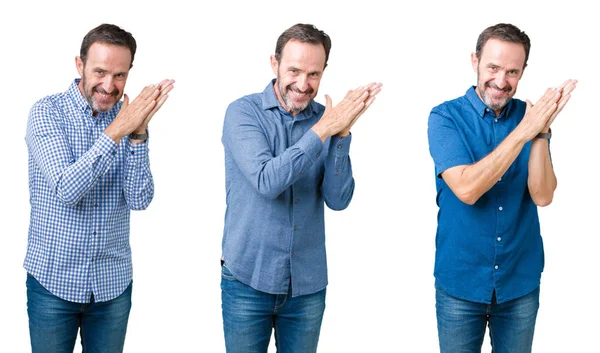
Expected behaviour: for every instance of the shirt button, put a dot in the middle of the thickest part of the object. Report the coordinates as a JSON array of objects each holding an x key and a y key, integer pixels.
[
  {"x": 499, "y": 238},
  {"x": 496, "y": 267},
  {"x": 337, "y": 172},
  {"x": 500, "y": 208},
  {"x": 132, "y": 152},
  {"x": 500, "y": 179},
  {"x": 295, "y": 227},
  {"x": 318, "y": 154},
  {"x": 296, "y": 201},
  {"x": 496, "y": 120},
  {"x": 94, "y": 233},
  {"x": 339, "y": 146}
]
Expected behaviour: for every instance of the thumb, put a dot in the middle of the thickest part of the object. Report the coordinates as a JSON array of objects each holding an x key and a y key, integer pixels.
[
  {"x": 328, "y": 103},
  {"x": 125, "y": 101},
  {"x": 529, "y": 105}
]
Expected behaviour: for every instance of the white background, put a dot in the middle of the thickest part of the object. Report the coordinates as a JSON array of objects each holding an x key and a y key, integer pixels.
[{"x": 381, "y": 249}]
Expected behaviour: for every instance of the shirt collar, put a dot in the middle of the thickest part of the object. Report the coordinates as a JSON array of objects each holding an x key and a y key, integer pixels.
[
  {"x": 270, "y": 101},
  {"x": 82, "y": 103},
  {"x": 78, "y": 98},
  {"x": 480, "y": 107}
]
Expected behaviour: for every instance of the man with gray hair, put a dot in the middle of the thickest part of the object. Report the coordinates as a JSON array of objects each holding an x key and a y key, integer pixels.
[
  {"x": 285, "y": 157},
  {"x": 88, "y": 167},
  {"x": 493, "y": 168}
]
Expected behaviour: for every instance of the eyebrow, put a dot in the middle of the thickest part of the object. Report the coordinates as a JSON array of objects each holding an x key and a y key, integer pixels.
[
  {"x": 492, "y": 65},
  {"x": 101, "y": 70}
]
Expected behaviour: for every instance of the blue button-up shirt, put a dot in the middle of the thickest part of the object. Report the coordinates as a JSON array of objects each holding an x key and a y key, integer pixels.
[
  {"x": 82, "y": 186},
  {"x": 278, "y": 176},
  {"x": 494, "y": 244}
]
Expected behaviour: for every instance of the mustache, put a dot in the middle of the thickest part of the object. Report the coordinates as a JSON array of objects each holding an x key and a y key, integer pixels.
[
  {"x": 295, "y": 89},
  {"x": 508, "y": 88},
  {"x": 101, "y": 90}
]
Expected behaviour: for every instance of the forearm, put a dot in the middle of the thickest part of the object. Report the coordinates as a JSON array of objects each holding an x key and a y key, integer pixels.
[
  {"x": 541, "y": 179},
  {"x": 338, "y": 182},
  {"x": 71, "y": 179},
  {"x": 138, "y": 184},
  {"x": 271, "y": 175},
  {"x": 476, "y": 179}
]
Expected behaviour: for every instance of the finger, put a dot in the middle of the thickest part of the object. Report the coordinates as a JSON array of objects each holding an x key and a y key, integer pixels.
[
  {"x": 156, "y": 108},
  {"x": 145, "y": 110},
  {"x": 369, "y": 102},
  {"x": 356, "y": 110},
  {"x": 165, "y": 91},
  {"x": 164, "y": 84},
  {"x": 150, "y": 92},
  {"x": 348, "y": 94},
  {"x": 375, "y": 91},
  {"x": 373, "y": 86},
  {"x": 359, "y": 94},
  {"x": 563, "y": 102},
  {"x": 364, "y": 109},
  {"x": 569, "y": 88},
  {"x": 551, "y": 96}
]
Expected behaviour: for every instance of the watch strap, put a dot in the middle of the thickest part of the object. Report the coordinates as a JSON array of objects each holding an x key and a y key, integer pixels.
[
  {"x": 135, "y": 136},
  {"x": 544, "y": 135}
]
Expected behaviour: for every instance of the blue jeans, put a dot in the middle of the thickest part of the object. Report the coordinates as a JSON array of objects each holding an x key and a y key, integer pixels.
[
  {"x": 249, "y": 317},
  {"x": 54, "y": 322},
  {"x": 461, "y": 323}
]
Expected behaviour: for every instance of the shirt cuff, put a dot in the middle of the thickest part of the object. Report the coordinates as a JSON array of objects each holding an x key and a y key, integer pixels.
[
  {"x": 311, "y": 144},
  {"x": 340, "y": 145},
  {"x": 106, "y": 145},
  {"x": 137, "y": 152}
]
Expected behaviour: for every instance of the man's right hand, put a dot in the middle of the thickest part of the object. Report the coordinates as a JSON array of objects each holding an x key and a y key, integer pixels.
[
  {"x": 133, "y": 115},
  {"x": 537, "y": 116},
  {"x": 345, "y": 113}
]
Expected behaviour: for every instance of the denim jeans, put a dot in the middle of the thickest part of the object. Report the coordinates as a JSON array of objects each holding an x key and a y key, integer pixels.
[
  {"x": 249, "y": 316},
  {"x": 54, "y": 322},
  {"x": 461, "y": 323}
]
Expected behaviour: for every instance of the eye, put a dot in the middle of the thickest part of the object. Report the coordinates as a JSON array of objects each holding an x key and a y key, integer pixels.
[
  {"x": 294, "y": 71},
  {"x": 493, "y": 68},
  {"x": 99, "y": 73},
  {"x": 513, "y": 72},
  {"x": 121, "y": 76},
  {"x": 315, "y": 74}
]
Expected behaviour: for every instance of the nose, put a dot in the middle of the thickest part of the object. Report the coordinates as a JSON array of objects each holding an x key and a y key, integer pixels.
[
  {"x": 302, "y": 83},
  {"x": 500, "y": 79},
  {"x": 108, "y": 84}
]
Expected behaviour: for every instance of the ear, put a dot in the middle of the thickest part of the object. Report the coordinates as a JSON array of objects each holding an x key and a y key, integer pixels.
[
  {"x": 474, "y": 61},
  {"x": 274, "y": 65},
  {"x": 79, "y": 65}
]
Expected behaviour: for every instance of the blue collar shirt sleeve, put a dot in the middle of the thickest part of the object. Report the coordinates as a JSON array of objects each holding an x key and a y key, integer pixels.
[{"x": 279, "y": 175}]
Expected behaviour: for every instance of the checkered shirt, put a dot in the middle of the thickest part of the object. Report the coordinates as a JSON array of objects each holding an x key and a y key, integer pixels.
[{"x": 82, "y": 186}]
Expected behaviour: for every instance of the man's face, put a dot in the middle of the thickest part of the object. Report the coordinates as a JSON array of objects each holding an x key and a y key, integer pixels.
[
  {"x": 498, "y": 72},
  {"x": 103, "y": 75},
  {"x": 299, "y": 73}
]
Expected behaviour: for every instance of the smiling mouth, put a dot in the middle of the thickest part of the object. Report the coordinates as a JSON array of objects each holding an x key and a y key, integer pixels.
[{"x": 104, "y": 96}]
